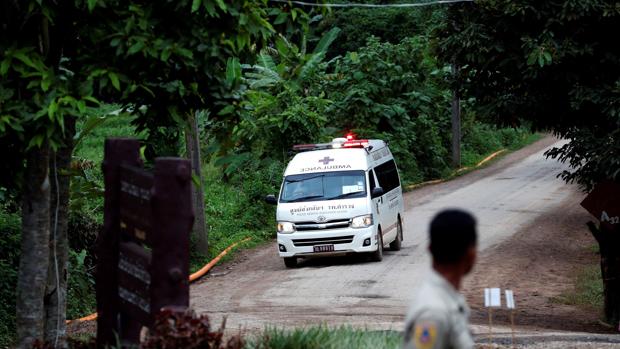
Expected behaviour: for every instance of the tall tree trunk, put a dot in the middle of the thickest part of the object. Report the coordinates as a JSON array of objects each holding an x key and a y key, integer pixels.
[
  {"x": 56, "y": 289},
  {"x": 32, "y": 275},
  {"x": 192, "y": 144}
]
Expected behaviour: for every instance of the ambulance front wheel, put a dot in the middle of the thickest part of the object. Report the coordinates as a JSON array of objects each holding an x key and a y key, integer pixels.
[
  {"x": 377, "y": 256},
  {"x": 290, "y": 262},
  {"x": 397, "y": 243}
]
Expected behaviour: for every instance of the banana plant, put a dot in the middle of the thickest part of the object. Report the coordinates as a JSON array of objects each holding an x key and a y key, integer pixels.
[{"x": 284, "y": 61}]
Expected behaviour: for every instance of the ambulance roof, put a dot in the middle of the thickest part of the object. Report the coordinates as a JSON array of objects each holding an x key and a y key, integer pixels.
[{"x": 339, "y": 159}]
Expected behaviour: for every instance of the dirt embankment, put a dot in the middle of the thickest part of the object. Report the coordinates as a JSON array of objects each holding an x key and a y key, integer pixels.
[{"x": 540, "y": 264}]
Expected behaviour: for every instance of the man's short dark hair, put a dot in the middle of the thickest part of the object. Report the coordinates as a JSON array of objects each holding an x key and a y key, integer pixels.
[{"x": 452, "y": 233}]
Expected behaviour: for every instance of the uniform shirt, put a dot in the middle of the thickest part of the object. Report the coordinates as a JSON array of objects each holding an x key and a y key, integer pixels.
[{"x": 438, "y": 317}]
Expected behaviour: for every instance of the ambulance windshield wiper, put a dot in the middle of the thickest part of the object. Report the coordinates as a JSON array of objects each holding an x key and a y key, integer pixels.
[
  {"x": 305, "y": 198},
  {"x": 344, "y": 195}
]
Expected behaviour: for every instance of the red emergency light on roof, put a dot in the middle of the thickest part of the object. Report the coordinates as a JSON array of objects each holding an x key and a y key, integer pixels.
[
  {"x": 348, "y": 142},
  {"x": 360, "y": 143}
]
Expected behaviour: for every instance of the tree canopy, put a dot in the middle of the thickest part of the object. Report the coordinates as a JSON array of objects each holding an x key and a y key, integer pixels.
[
  {"x": 60, "y": 61},
  {"x": 159, "y": 60},
  {"x": 556, "y": 64}
]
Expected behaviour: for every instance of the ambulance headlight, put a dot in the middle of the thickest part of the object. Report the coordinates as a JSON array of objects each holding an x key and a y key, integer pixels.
[
  {"x": 364, "y": 221},
  {"x": 286, "y": 227}
]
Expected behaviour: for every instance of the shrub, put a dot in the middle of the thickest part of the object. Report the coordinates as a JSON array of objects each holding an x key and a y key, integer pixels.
[
  {"x": 177, "y": 329},
  {"x": 81, "y": 286},
  {"x": 322, "y": 337}
]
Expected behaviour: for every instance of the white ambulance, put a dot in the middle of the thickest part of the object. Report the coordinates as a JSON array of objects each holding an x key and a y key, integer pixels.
[{"x": 338, "y": 198}]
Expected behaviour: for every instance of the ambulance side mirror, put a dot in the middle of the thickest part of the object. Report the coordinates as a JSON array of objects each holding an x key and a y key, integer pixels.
[
  {"x": 271, "y": 199},
  {"x": 376, "y": 192}
]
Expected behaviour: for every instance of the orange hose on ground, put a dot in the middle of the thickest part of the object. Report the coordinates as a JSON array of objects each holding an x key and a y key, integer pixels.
[
  {"x": 195, "y": 276},
  {"x": 435, "y": 181},
  {"x": 490, "y": 157},
  {"x": 200, "y": 273}
]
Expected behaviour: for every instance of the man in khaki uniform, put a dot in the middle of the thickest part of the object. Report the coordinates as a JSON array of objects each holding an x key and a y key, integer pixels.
[{"x": 438, "y": 317}]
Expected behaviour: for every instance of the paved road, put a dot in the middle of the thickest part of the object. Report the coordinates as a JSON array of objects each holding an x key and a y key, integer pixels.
[{"x": 259, "y": 291}]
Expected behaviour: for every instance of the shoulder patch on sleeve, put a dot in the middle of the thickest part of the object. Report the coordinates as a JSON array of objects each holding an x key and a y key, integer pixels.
[{"x": 424, "y": 334}]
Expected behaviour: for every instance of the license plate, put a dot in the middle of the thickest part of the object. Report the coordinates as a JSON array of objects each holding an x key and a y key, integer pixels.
[{"x": 324, "y": 248}]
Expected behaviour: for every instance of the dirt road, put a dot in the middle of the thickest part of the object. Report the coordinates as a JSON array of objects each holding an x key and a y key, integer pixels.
[{"x": 509, "y": 198}]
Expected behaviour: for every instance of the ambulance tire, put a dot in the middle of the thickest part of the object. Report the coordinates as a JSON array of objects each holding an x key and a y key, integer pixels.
[
  {"x": 290, "y": 262},
  {"x": 377, "y": 256},
  {"x": 396, "y": 244}
]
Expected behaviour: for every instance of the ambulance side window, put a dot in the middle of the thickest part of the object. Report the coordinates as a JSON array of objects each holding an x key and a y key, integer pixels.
[{"x": 388, "y": 176}]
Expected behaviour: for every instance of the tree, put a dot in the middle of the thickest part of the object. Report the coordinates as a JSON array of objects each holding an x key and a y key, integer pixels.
[
  {"x": 554, "y": 64},
  {"x": 161, "y": 61}
]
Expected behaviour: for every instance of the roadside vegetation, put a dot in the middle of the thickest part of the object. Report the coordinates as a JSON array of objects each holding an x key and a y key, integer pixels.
[
  {"x": 281, "y": 76},
  {"x": 588, "y": 287},
  {"x": 323, "y": 337},
  {"x": 394, "y": 90}
]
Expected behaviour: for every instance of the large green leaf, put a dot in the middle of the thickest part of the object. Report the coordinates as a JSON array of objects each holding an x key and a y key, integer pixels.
[
  {"x": 327, "y": 40},
  {"x": 266, "y": 61},
  {"x": 233, "y": 70}
]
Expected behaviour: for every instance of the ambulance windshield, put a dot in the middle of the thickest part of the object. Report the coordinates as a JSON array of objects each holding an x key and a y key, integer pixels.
[{"x": 324, "y": 186}]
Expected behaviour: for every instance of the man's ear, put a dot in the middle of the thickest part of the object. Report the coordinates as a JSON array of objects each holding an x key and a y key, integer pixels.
[{"x": 470, "y": 258}]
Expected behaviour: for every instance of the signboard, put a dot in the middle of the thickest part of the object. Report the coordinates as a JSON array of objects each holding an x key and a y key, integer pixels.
[
  {"x": 134, "y": 280},
  {"x": 143, "y": 250},
  {"x": 510, "y": 299},
  {"x": 135, "y": 199},
  {"x": 492, "y": 297},
  {"x": 603, "y": 202}
]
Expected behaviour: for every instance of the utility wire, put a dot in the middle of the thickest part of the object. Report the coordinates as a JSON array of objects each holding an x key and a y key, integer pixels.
[{"x": 418, "y": 4}]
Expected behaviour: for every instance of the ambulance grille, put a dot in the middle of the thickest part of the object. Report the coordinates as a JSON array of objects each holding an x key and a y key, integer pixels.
[
  {"x": 324, "y": 241},
  {"x": 335, "y": 224}
]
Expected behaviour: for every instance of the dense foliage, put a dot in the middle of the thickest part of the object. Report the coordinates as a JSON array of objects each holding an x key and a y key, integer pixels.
[
  {"x": 387, "y": 24},
  {"x": 259, "y": 76},
  {"x": 397, "y": 92},
  {"x": 160, "y": 61},
  {"x": 553, "y": 63}
]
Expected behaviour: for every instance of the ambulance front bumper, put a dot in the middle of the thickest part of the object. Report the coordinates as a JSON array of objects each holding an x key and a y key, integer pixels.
[{"x": 327, "y": 242}]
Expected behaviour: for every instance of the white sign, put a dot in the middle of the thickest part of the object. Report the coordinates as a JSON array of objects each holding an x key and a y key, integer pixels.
[
  {"x": 510, "y": 299},
  {"x": 346, "y": 189},
  {"x": 492, "y": 297},
  {"x": 612, "y": 220}
]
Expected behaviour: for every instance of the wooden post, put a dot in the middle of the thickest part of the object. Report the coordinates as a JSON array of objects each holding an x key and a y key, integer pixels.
[
  {"x": 456, "y": 124},
  {"x": 490, "y": 327},
  {"x": 192, "y": 142},
  {"x": 172, "y": 224},
  {"x": 143, "y": 251},
  {"x": 116, "y": 153},
  {"x": 512, "y": 326}
]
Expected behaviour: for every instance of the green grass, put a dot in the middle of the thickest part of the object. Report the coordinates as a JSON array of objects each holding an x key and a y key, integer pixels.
[
  {"x": 229, "y": 207},
  {"x": 587, "y": 290},
  {"x": 323, "y": 337},
  {"x": 471, "y": 156},
  {"x": 235, "y": 211},
  {"x": 89, "y": 154},
  {"x": 91, "y": 147},
  {"x": 482, "y": 139}
]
